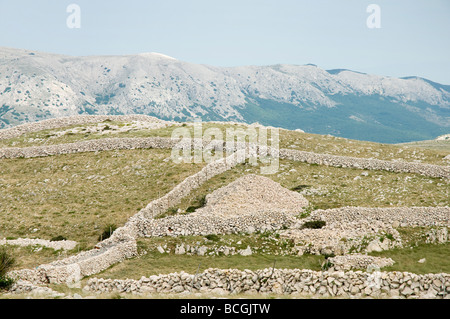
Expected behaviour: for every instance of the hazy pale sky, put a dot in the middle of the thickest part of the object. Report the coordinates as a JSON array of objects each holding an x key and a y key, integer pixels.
[{"x": 414, "y": 38}]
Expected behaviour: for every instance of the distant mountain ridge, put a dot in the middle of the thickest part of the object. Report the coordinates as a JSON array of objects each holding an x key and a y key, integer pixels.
[{"x": 36, "y": 85}]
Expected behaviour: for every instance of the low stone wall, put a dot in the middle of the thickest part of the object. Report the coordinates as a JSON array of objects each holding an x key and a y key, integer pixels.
[
  {"x": 284, "y": 281},
  {"x": 366, "y": 163},
  {"x": 108, "y": 144},
  {"x": 74, "y": 268},
  {"x": 57, "y": 245},
  {"x": 104, "y": 144},
  {"x": 72, "y": 120},
  {"x": 192, "y": 225}
]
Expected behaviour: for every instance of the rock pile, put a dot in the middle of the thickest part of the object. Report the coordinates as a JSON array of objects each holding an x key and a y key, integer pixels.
[
  {"x": 251, "y": 203},
  {"x": 437, "y": 235},
  {"x": 250, "y": 194}
]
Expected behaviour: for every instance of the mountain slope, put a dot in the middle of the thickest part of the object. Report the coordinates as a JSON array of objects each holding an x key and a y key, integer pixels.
[{"x": 35, "y": 85}]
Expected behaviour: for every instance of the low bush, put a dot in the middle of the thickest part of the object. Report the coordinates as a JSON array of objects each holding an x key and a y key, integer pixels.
[
  {"x": 299, "y": 188},
  {"x": 6, "y": 264},
  {"x": 107, "y": 232},
  {"x": 58, "y": 238},
  {"x": 212, "y": 237},
  {"x": 201, "y": 203},
  {"x": 6, "y": 283},
  {"x": 314, "y": 224}
]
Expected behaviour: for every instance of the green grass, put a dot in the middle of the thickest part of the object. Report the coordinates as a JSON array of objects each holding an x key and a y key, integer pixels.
[
  {"x": 262, "y": 243},
  {"x": 155, "y": 263},
  {"x": 406, "y": 259},
  {"x": 30, "y": 257},
  {"x": 265, "y": 247}
]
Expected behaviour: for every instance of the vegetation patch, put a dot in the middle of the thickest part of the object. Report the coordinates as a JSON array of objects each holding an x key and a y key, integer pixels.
[
  {"x": 58, "y": 238},
  {"x": 155, "y": 263},
  {"x": 314, "y": 224},
  {"x": 407, "y": 259},
  {"x": 108, "y": 230},
  {"x": 7, "y": 262}
]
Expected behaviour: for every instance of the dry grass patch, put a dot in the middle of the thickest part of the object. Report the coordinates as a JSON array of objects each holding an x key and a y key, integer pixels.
[{"x": 77, "y": 195}]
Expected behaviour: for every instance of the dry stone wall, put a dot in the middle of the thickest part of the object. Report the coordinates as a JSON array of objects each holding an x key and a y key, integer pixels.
[
  {"x": 284, "y": 281},
  {"x": 365, "y": 163},
  {"x": 211, "y": 224},
  {"x": 108, "y": 144},
  {"x": 72, "y": 269},
  {"x": 57, "y": 245}
]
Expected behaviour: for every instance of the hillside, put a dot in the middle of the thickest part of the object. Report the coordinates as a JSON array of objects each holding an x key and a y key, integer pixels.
[
  {"x": 76, "y": 178},
  {"x": 440, "y": 143},
  {"x": 37, "y": 85}
]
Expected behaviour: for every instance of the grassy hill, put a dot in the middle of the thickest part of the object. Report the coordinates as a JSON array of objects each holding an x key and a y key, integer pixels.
[{"x": 77, "y": 195}]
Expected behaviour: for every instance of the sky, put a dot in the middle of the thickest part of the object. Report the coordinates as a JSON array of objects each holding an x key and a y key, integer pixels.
[{"x": 413, "y": 38}]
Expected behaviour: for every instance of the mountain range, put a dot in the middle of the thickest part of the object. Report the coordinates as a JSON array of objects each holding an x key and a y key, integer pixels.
[{"x": 36, "y": 85}]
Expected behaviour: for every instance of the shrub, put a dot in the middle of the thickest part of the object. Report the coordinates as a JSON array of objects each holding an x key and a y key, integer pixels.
[
  {"x": 6, "y": 263},
  {"x": 58, "y": 238},
  {"x": 201, "y": 203},
  {"x": 212, "y": 237},
  {"x": 299, "y": 188},
  {"x": 6, "y": 283},
  {"x": 326, "y": 265},
  {"x": 107, "y": 232},
  {"x": 314, "y": 224}
]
